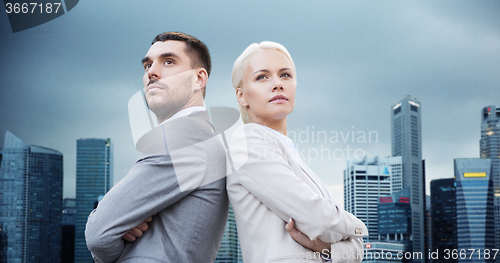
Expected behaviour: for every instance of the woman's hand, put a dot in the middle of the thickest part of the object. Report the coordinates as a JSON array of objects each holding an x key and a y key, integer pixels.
[{"x": 315, "y": 245}]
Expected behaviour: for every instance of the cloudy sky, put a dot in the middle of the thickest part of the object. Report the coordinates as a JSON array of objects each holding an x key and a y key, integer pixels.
[{"x": 72, "y": 77}]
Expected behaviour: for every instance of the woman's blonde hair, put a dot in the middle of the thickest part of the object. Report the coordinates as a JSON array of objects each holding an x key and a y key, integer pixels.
[{"x": 240, "y": 65}]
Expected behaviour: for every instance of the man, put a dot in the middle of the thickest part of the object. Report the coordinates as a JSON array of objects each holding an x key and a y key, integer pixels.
[{"x": 178, "y": 185}]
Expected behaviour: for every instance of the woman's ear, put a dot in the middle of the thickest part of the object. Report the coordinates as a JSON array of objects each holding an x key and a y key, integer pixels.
[
  {"x": 241, "y": 97},
  {"x": 201, "y": 78}
]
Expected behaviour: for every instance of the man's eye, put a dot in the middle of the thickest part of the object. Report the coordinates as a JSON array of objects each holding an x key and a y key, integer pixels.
[
  {"x": 169, "y": 62},
  {"x": 147, "y": 66}
]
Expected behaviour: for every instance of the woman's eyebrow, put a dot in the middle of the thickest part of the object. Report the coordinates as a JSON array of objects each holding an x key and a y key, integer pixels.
[{"x": 261, "y": 70}]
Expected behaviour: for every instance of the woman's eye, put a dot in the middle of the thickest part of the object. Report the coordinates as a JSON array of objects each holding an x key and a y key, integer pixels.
[
  {"x": 286, "y": 75},
  {"x": 260, "y": 77}
]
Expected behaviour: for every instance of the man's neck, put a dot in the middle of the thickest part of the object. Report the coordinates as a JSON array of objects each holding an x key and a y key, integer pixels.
[
  {"x": 194, "y": 101},
  {"x": 183, "y": 112}
]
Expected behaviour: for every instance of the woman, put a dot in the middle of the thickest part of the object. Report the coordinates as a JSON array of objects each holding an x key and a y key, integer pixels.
[{"x": 270, "y": 185}]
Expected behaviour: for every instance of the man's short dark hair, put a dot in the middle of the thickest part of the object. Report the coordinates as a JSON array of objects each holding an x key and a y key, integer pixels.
[{"x": 195, "y": 49}]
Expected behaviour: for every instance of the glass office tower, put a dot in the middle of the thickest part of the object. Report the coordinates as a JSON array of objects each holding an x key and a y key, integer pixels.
[
  {"x": 229, "y": 251},
  {"x": 475, "y": 214},
  {"x": 68, "y": 230},
  {"x": 444, "y": 218},
  {"x": 94, "y": 173},
  {"x": 31, "y": 180}
]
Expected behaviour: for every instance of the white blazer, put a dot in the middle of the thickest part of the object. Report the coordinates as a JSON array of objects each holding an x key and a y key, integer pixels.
[{"x": 268, "y": 184}]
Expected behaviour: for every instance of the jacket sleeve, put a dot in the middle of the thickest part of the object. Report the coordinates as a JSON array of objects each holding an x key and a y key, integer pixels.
[
  {"x": 263, "y": 169},
  {"x": 151, "y": 186},
  {"x": 347, "y": 251}
]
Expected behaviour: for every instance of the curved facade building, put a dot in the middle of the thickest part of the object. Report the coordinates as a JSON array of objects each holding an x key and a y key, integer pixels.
[{"x": 31, "y": 179}]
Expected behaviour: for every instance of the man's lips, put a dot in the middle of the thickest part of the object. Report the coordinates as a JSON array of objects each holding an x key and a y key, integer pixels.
[
  {"x": 153, "y": 87},
  {"x": 278, "y": 98}
]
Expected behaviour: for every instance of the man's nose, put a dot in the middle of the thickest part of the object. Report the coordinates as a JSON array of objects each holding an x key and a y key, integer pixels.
[{"x": 154, "y": 71}]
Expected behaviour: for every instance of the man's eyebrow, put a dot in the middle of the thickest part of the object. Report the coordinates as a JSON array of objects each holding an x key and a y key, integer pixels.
[
  {"x": 164, "y": 55},
  {"x": 145, "y": 59}
]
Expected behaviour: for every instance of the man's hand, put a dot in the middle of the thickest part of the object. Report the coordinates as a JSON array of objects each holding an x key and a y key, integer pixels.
[
  {"x": 315, "y": 245},
  {"x": 137, "y": 231}
]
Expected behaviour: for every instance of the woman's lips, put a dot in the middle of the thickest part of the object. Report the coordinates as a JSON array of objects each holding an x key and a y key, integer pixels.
[{"x": 278, "y": 99}]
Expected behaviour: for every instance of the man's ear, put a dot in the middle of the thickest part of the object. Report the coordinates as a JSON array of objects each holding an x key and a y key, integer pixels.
[
  {"x": 241, "y": 97},
  {"x": 201, "y": 78}
]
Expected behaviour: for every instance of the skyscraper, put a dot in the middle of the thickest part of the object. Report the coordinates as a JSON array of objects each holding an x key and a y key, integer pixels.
[
  {"x": 407, "y": 142},
  {"x": 444, "y": 218},
  {"x": 364, "y": 182},
  {"x": 394, "y": 218},
  {"x": 94, "y": 173},
  {"x": 30, "y": 199},
  {"x": 394, "y": 229},
  {"x": 475, "y": 217},
  {"x": 68, "y": 230},
  {"x": 490, "y": 148},
  {"x": 229, "y": 251}
]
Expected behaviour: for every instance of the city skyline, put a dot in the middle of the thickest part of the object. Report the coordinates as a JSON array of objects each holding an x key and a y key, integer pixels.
[{"x": 72, "y": 77}]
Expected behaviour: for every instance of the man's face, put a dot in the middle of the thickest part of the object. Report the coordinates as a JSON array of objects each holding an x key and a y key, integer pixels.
[{"x": 166, "y": 90}]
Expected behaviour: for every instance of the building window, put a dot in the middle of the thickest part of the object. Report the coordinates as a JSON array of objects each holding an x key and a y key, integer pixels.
[{"x": 398, "y": 110}]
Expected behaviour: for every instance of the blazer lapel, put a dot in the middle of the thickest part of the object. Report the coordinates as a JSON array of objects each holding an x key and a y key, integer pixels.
[{"x": 314, "y": 178}]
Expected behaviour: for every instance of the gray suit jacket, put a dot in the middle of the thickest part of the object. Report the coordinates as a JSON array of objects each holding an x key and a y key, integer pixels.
[{"x": 182, "y": 178}]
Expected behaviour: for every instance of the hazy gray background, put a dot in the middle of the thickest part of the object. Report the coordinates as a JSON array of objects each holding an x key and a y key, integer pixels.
[{"x": 72, "y": 77}]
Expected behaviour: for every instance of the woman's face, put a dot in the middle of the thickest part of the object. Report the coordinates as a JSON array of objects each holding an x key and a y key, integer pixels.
[{"x": 268, "y": 88}]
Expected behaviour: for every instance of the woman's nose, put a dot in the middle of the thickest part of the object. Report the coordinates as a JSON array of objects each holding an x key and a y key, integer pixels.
[{"x": 278, "y": 85}]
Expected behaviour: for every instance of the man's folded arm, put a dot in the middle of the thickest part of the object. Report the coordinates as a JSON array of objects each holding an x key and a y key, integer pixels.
[{"x": 149, "y": 187}]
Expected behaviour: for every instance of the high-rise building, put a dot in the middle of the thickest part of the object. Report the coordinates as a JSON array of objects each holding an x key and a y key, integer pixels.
[
  {"x": 407, "y": 142},
  {"x": 68, "y": 230},
  {"x": 428, "y": 228},
  {"x": 475, "y": 214},
  {"x": 31, "y": 180},
  {"x": 427, "y": 217},
  {"x": 490, "y": 148},
  {"x": 94, "y": 173},
  {"x": 364, "y": 182},
  {"x": 444, "y": 218},
  {"x": 229, "y": 251},
  {"x": 394, "y": 217}
]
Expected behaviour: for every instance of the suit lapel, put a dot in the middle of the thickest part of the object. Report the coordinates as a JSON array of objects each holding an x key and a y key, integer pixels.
[{"x": 313, "y": 177}]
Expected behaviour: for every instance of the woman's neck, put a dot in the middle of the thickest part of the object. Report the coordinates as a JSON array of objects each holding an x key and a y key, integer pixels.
[{"x": 277, "y": 125}]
